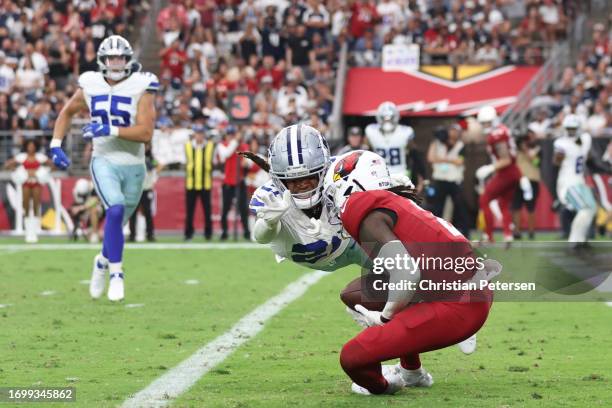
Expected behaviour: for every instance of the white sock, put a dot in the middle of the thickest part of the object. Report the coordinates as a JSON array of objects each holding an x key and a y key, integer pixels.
[
  {"x": 580, "y": 225},
  {"x": 115, "y": 267}
]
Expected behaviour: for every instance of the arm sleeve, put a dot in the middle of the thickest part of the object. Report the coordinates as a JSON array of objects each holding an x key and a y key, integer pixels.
[{"x": 153, "y": 83}]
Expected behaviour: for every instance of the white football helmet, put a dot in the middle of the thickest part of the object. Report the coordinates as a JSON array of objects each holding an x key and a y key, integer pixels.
[
  {"x": 359, "y": 170},
  {"x": 487, "y": 117},
  {"x": 116, "y": 46},
  {"x": 387, "y": 116},
  {"x": 296, "y": 152},
  {"x": 82, "y": 188},
  {"x": 571, "y": 124}
]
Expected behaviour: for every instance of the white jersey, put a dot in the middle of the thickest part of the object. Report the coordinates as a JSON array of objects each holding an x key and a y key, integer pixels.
[
  {"x": 391, "y": 146},
  {"x": 296, "y": 243},
  {"x": 571, "y": 171},
  {"x": 117, "y": 105}
]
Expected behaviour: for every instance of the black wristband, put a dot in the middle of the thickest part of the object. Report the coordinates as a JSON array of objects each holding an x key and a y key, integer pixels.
[{"x": 384, "y": 319}]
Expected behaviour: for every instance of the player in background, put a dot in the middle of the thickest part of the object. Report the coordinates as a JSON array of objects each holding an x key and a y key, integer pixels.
[
  {"x": 290, "y": 214},
  {"x": 571, "y": 154},
  {"x": 389, "y": 139},
  {"x": 506, "y": 177},
  {"x": 386, "y": 219},
  {"x": 120, "y": 100}
]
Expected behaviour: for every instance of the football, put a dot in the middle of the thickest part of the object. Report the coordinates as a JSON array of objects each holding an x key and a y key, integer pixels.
[{"x": 361, "y": 291}]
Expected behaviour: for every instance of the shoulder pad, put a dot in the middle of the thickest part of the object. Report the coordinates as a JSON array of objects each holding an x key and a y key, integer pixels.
[
  {"x": 152, "y": 83},
  {"x": 89, "y": 78}
]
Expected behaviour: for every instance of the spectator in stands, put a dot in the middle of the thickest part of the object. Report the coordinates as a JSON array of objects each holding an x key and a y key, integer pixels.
[
  {"x": 445, "y": 155},
  {"x": 316, "y": 18},
  {"x": 391, "y": 15},
  {"x": 488, "y": 54},
  {"x": 368, "y": 55},
  {"x": 7, "y": 75},
  {"x": 173, "y": 59},
  {"x": 598, "y": 120},
  {"x": 215, "y": 116},
  {"x": 29, "y": 80},
  {"x": 355, "y": 141},
  {"x": 299, "y": 48},
  {"x": 364, "y": 16},
  {"x": 87, "y": 59},
  {"x": 234, "y": 169},
  {"x": 528, "y": 161},
  {"x": 249, "y": 42},
  {"x": 199, "y": 152},
  {"x": 292, "y": 97}
]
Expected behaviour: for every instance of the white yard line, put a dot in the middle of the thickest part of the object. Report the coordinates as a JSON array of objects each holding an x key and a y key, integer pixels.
[
  {"x": 153, "y": 246},
  {"x": 179, "y": 379}
]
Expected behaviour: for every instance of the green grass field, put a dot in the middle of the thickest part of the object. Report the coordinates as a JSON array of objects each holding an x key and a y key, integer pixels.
[{"x": 53, "y": 334}]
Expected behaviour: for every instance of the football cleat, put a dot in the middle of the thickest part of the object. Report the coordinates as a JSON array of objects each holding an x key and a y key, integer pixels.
[
  {"x": 411, "y": 378},
  {"x": 395, "y": 384},
  {"x": 468, "y": 346},
  {"x": 115, "y": 287},
  {"x": 98, "y": 278}
]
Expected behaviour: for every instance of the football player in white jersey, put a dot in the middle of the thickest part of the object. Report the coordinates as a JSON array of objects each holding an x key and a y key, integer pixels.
[
  {"x": 571, "y": 153},
  {"x": 120, "y": 100},
  {"x": 290, "y": 214},
  {"x": 390, "y": 139}
]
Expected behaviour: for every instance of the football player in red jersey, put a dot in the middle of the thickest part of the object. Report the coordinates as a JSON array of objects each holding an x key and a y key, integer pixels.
[
  {"x": 388, "y": 224},
  {"x": 506, "y": 177}
]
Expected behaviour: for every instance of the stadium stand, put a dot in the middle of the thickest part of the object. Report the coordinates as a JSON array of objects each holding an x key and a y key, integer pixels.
[{"x": 276, "y": 62}]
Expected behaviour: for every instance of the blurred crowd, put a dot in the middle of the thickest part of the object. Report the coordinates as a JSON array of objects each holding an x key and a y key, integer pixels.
[
  {"x": 494, "y": 32},
  {"x": 44, "y": 45},
  {"x": 584, "y": 89}
]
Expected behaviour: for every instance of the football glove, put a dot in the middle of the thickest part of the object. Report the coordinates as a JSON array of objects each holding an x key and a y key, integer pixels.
[
  {"x": 371, "y": 317},
  {"x": 357, "y": 317},
  {"x": 59, "y": 158},
  {"x": 273, "y": 208},
  {"x": 99, "y": 130}
]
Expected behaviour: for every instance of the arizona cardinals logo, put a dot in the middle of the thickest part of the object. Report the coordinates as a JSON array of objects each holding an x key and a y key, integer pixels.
[{"x": 345, "y": 166}]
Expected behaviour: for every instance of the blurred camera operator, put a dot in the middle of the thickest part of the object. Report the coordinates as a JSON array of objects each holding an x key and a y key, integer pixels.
[{"x": 446, "y": 157}]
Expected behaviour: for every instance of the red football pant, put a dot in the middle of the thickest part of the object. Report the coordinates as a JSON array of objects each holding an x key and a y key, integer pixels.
[
  {"x": 417, "y": 329},
  {"x": 501, "y": 187}
]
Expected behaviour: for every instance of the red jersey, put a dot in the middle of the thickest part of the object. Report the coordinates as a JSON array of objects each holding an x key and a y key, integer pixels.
[
  {"x": 501, "y": 135},
  {"x": 231, "y": 167},
  {"x": 425, "y": 236},
  {"x": 174, "y": 61},
  {"x": 363, "y": 17}
]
